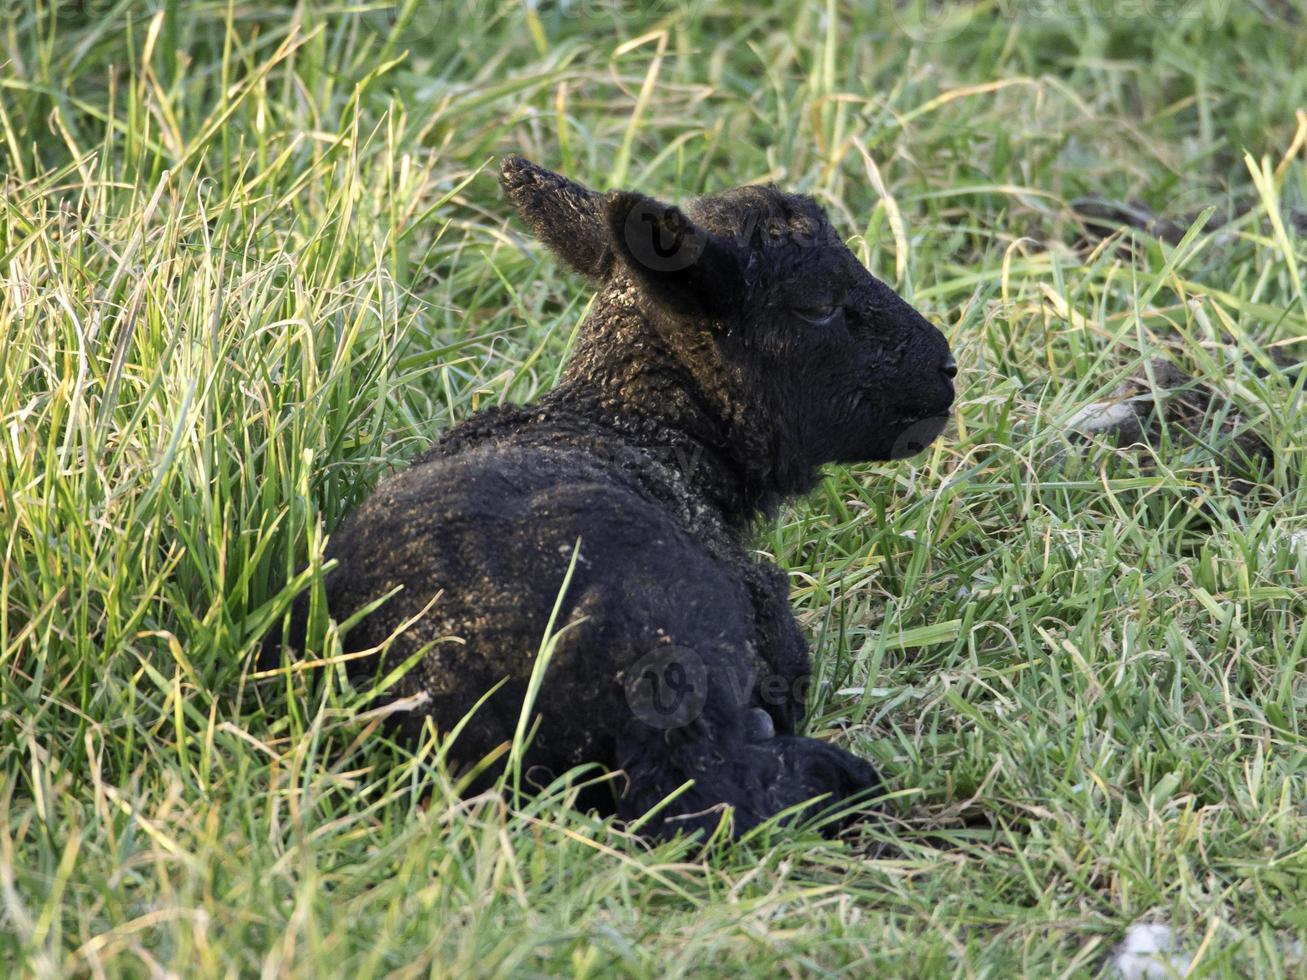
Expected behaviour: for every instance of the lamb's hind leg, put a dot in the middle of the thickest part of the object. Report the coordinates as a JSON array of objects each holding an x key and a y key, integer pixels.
[{"x": 758, "y": 779}]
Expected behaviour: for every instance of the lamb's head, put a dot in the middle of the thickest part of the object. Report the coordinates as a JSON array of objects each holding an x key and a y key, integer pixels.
[{"x": 754, "y": 294}]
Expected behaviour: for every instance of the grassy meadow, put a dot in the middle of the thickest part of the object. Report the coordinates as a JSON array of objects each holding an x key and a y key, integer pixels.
[{"x": 253, "y": 256}]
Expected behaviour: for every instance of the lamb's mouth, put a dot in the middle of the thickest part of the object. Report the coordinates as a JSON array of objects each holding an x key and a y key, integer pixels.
[{"x": 916, "y": 432}]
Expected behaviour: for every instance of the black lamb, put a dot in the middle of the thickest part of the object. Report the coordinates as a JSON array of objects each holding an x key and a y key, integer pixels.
[{"x": 732, "y": 350}]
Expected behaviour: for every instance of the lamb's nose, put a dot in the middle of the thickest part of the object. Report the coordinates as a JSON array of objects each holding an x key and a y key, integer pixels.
[{"x": 949, "y": 367}]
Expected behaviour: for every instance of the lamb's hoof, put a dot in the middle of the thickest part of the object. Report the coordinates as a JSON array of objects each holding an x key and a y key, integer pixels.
[{"x": 758, "y": 726}]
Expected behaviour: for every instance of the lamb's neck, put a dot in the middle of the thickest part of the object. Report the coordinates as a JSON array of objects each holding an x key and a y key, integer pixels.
[
  {"x": 699, "y": 461},
  {"x": 649, "y": 398}
]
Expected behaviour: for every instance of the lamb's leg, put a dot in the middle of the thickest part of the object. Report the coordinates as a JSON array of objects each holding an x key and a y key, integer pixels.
[{"x": 757, "y": 778}]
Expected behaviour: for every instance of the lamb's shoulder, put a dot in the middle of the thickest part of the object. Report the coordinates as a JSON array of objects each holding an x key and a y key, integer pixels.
[{"x": 512, "y": 512}]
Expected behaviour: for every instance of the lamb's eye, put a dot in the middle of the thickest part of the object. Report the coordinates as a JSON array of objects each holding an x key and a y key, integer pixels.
[{"x": 819, "y": 315}]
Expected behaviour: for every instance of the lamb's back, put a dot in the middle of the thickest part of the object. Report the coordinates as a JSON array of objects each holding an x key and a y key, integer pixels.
[{"x": 479, "y": 544}]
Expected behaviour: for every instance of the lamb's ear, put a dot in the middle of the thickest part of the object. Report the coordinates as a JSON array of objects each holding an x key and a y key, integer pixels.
[
  {"x": 564, "y": 215},
  {"x": 686, "y": 269}
]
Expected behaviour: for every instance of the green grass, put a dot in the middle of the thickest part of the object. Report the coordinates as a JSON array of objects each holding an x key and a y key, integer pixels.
[{"x": 253, "y": 257}]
